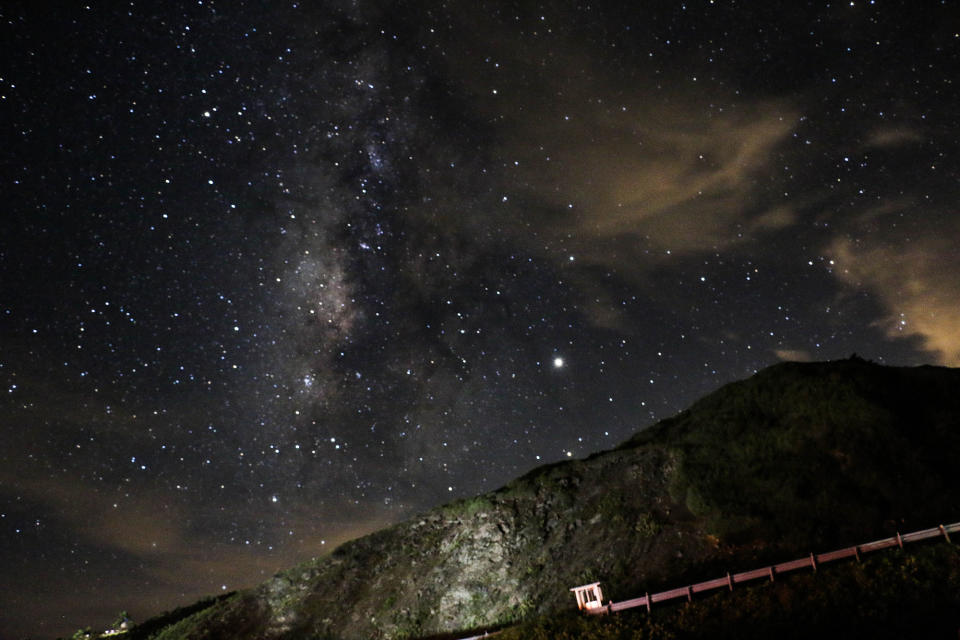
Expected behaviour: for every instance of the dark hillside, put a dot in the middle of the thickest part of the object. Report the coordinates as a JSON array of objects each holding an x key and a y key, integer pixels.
[{"x": 819, "y": 453}]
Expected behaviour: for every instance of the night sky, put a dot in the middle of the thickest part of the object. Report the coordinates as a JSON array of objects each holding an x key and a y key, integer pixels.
[{"x": 274, "y": 275}]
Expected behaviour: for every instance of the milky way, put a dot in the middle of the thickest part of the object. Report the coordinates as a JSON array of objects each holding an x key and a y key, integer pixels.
[{"x": 275, "y": 276}]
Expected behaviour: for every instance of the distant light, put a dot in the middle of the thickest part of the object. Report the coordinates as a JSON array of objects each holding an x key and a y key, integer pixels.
[{"x": 558, "y": 362}]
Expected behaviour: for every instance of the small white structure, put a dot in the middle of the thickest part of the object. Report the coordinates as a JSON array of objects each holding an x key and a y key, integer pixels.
[
  {"x": 589, "y": 596},
  {"x": 124, "y": 627}
]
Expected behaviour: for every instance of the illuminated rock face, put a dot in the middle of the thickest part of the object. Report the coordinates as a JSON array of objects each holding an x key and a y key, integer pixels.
[{"x": 798, "y": 457}]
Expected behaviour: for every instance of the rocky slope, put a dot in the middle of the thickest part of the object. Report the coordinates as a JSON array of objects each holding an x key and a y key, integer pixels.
[{"x": 798, "y": 457}]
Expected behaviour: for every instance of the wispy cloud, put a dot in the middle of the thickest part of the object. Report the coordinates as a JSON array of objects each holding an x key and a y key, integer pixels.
[
  {"x": 686, "y": 185},
  {"x": 663, "y": 173},
  {"x": 915, "y": 278},
  {"x": 793, "y": 355},
  {"x": 893, "y": 137}
]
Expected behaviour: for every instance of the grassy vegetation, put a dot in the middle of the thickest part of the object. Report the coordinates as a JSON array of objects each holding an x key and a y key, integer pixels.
[
  {"x": 238, "y": 613},
  {"x": 817, "y": 452},
  {"x": 152, "y": 627},
  {"x": 912, "y": 594}
]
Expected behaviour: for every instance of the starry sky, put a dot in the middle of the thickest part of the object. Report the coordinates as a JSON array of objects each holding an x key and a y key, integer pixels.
[{"x": 276, "y": 274}]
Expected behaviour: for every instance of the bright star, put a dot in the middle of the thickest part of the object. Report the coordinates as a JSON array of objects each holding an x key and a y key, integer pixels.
[{"x": 558, "y": 362}]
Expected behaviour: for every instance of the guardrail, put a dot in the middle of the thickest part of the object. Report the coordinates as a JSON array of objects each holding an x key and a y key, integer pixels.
[{"x": 811, "y": 561}]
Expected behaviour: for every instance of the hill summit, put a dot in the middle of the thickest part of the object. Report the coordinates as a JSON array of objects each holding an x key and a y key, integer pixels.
[{"x": 797, "y": 457}]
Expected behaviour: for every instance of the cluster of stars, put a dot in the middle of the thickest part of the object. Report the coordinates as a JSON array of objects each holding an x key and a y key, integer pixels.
[{"x": 285, "y": 275}]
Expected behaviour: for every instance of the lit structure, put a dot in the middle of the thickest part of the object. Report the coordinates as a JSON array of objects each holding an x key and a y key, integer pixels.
[{"x": 589, "y": 596}]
